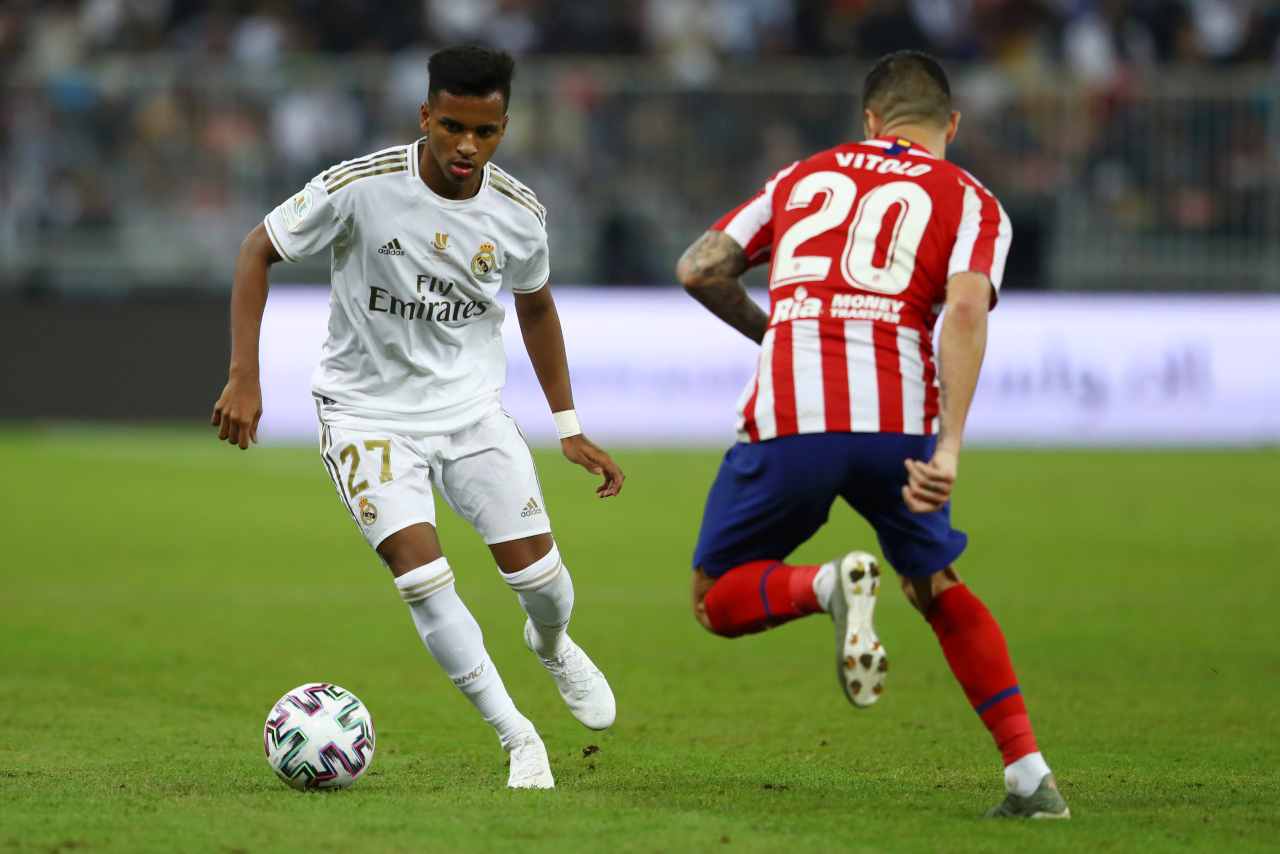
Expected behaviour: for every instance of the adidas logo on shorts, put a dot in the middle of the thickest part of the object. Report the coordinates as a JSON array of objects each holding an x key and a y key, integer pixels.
[
  {"x": 392, "y": 248},
  {"x": 530, "y": 509}
]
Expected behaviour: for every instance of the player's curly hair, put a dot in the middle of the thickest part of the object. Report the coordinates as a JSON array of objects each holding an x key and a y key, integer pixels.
[
  {"x": 908, "y": 86},
  {"x": 470, "y": 70}
]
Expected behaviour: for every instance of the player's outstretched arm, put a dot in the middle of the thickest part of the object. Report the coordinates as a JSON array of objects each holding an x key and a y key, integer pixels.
[
  {"x": 544, "y": 340},
  {"x": 239, "y": 408},
  {"x": 962, "y": 344},
  {"x": 710, "y": 271}
]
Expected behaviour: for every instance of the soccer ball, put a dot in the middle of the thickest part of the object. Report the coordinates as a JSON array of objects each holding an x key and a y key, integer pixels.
[{"x": 319, "y": 736}]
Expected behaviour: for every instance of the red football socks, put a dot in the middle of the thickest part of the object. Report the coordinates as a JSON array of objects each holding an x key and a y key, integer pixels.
[
  {"x": 759, "y": 595},
  {"x": 976, "y": 650}
]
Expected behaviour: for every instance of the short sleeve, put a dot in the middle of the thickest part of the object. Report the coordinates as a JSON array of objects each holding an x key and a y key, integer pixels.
[
  {"x": 529, "y": 271},
  {"x": 982, "y": 238},
  {"x": 305, "y": 224},
  {"x": 750, "y": 224}
]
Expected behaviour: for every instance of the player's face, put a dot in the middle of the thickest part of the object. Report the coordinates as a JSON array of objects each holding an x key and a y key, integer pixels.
[{"x": 462, "y": 132}]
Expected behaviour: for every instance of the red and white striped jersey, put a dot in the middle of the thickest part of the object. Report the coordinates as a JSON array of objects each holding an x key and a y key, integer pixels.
[{"x": 862, "y": 240}]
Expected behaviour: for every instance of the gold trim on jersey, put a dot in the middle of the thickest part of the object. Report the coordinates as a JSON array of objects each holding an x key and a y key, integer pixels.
[
  {"x": 518, "y": 187},
  {"x": 415, "y": 157},
  {"x": 402, "y": 166},
  {"x": 343, "y": 169},
  {"x": 275, "y": 241},
  {"x": 502, "y": 186},
  {"x": 326, "y": 442},
  {"x": 513, "y": 181}
]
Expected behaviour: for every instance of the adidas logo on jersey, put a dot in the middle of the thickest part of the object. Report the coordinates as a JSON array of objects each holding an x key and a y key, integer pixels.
[
  {"x": 530, "y": 509},
  {"x": 392, "y": 248}
]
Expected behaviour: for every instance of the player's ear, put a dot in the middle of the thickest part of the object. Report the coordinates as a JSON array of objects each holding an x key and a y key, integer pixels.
[
  {"x": 870, "y": 124},
  {"x": 505, "y": 119},
  {"x": 424, "y": 116},
  {"x": 953, "y": 126}
]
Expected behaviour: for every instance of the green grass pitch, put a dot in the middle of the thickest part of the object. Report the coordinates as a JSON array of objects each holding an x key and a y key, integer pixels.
[{"x": 160, "y": 591}]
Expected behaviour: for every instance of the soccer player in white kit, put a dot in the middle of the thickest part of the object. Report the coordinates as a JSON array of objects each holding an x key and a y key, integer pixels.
[{"x": 408, "y": 391}]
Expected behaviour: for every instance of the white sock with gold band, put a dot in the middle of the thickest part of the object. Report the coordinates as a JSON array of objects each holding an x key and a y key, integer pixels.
[
  {"x": 546, "y": 594},
  {"x": 454, "y": 639},
  {"x": 545, "y": 591}
]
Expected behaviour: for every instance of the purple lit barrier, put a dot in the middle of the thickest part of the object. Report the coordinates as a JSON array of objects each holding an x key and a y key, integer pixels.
[{"x": 651, "y": 367}]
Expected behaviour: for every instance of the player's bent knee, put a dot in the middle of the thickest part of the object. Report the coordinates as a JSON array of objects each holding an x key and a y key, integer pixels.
[
  {"x": 723, "y": 624},
  {"x": 922, "y": 590},
  {"x": 700, "y": 612},
  {"x": 514, "y": 555},
  {"x": 702, "y": 585},
  {"x": 911, "y": 588}
]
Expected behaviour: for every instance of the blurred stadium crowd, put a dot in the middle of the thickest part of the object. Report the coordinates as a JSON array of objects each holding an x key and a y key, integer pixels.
[
  {"x": 1135, "y": 144},
  {"x": 1093, "y": 37}
]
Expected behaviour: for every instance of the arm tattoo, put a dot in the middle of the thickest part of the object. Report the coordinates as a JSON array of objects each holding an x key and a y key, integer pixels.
[
  {"x": 715, "y": 254},
  {"x": 709, "y": 271}
]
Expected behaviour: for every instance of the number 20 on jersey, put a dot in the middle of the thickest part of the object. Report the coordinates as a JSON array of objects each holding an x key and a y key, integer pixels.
[{"x": 891, "y": 272}]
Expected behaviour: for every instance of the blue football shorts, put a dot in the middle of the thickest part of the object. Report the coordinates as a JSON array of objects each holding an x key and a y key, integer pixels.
[{"x": 771, "y": 496}]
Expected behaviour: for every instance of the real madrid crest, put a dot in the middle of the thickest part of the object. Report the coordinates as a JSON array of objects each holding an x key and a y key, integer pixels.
[
  {"x": 368, "y": 512},
  {"x": 485, "y": 261}
]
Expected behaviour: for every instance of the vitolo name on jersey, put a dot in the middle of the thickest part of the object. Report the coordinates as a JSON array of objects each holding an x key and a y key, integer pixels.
[
  {"x": 881, "y": 164},
  {"x": 439, "y": 311}
]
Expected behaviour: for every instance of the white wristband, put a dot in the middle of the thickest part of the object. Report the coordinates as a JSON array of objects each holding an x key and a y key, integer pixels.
[{"x": 567, "y": 423}]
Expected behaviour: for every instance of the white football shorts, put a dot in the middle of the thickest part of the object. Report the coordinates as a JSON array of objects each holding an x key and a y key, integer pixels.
[{"x": 485, "y": 473}]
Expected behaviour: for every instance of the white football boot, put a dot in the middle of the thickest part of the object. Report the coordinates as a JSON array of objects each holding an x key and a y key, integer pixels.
[
  {"x": 530, "y": 768},
  {"x": 581, "y": 684},
  {"x": 861, "y": 662}
]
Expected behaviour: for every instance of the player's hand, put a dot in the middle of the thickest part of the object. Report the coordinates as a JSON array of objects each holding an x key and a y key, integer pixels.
[
  {"x": 237, "y": 412},
  {"x": 929, "y": 484},
  {"x": 581, "y": 450}
]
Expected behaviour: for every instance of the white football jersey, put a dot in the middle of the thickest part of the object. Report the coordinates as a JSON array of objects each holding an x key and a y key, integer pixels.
[{"x": 415, "y": 339}]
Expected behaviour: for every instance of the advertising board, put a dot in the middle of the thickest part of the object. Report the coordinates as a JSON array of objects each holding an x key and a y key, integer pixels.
[{"x": 651, "y": 367}]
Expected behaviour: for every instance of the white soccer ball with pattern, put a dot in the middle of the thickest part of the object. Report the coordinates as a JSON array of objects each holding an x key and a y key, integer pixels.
[{"x": 319, "y": 736}]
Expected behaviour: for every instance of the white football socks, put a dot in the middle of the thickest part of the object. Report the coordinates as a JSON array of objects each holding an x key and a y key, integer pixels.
[
  {"x": 454, "y": 639},
  {"x": 545, "y": 591},
  {"x": 824, "y": 584},
  {"x": 1023, "y": 777}
]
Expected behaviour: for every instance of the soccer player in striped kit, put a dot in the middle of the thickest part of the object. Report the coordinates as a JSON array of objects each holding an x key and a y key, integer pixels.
[{"x": 867, "y": 243}]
